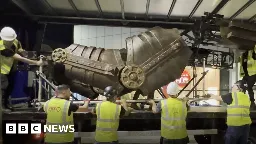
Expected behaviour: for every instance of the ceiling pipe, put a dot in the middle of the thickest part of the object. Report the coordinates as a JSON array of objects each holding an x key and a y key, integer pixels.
[
  {"x": 171, "y": 9},
  {"x": 147, "y": 8},
  {"x": 250, "y": 2},
  {"x": 74, "y": 7},
  {"x": 220, "y": 6},
  {"x": 99, "y": 8},
  {"x": 122, "y": 8},
  {"x": 195, "y": 8}
]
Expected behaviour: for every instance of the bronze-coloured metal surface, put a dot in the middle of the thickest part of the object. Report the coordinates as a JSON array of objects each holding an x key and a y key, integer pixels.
[
  {"x": 162, "y": 54},
  {"x": 153, "y": 59},
  {"x": 59, "y": 55},
  {"x": 132, "y": 76}
]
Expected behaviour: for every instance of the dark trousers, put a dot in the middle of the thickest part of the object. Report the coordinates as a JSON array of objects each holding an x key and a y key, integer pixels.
[
  {"x": 114, "y": 142},
  {"x": 237, "y": 134},
  {"x": 7, "y": 86},
  {"x": 174, "y": 141},
  {"x": 250, "y": 82}
]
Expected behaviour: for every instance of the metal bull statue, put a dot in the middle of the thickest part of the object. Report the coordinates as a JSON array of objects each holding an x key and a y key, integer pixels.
[{"x": 150, "y": 60}]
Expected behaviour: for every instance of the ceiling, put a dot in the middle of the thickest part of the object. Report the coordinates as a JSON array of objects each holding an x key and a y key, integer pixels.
[{"x": 140, "y": 12}]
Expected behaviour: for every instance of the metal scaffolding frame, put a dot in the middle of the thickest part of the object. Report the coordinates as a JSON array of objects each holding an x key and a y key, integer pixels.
[{"x": 123, "y": 18}]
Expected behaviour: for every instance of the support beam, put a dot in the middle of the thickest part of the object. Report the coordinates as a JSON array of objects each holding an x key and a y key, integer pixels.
[
  {"x": 195, "y": 8},
  {"x": 147, "y": 8},
  {"x": 74, "y": 7},
  {"x": 171, "y": 9},
  {"x": 99, "y": 8},
  {"x": 252, "y": 18},
  {"x": 45, "y": 18},
  {"x": 22, "y": 6},
  {"x": 220, "y": 6},
  {"x": 122, "y": 8},
  {"x": 242, "y": 9}
]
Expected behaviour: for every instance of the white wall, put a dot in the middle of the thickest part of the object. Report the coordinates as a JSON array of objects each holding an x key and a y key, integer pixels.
[{"x": 103, "y": 36}]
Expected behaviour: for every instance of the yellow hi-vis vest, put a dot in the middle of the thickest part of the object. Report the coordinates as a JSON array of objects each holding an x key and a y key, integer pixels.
[
  {"x": 238, "y": 112},
  {"x": 7, "y": 62},
  {"x": 57, "y": 114},
  {"x": 108, "y": 114},
  {"x": 173, "y": 119},
  {"x": 251, "y": 64}
]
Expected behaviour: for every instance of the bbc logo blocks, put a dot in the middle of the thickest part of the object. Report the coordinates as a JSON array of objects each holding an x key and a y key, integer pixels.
[{"x": 23, "y": 128}]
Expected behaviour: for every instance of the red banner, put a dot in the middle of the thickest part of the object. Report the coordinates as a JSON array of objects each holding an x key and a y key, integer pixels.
[{"x": 182, "y": 81}]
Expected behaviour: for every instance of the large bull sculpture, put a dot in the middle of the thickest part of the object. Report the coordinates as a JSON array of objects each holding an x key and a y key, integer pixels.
[{"x": 150, "y": 60}]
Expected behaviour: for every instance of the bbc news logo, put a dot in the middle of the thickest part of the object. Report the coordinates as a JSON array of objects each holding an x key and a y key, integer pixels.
[{"x": 36, "y": 128}]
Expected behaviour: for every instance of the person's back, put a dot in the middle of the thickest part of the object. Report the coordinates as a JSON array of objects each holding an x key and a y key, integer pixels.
[
  {"x": 173, "y": 119},
  {"x": 108, "y": 114},
  {"x": 60, "y": 111},
  {"x": 57, "y": 114},
  {"x": 238, "y": 112}
]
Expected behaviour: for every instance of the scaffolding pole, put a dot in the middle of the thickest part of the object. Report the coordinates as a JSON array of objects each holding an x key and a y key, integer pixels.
[
  {"x": 127, "y": 101},
  {"x": 40, "y": 82},
  {"x": 204, "y": 78}
]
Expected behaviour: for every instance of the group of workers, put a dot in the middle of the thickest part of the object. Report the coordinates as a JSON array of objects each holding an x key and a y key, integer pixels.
[
  {"x": 173, "y": 115},
  {"x": 172, "y": 109}
]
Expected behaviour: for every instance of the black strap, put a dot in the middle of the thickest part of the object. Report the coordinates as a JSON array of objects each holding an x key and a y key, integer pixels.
[
  {"x": 244, "y": 63},
  {"x": 253, "y": 54}
]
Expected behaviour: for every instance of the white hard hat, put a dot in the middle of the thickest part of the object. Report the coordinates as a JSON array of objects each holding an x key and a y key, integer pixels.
[
  {"x": 8, "y": 34},
  {"x": 172, "y": 88}
]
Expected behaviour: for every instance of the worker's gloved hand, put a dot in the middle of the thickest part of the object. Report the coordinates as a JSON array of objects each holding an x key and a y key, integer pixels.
[
  {"x": 40, "y": 62},
  {"x": 151, "y": 101},
  {"x": 123, "y": 100},
  {"x": 87, "y": 101},
  {"x": 185, "y": 99}
]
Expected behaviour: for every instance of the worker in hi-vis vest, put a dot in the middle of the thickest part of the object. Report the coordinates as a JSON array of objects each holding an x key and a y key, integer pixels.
[
  {"x": 238, "y": 113},
  {"x": 11, "y": 50},
  {"x": 59, "y": 110},
  {"x": 108, "y": 115},
  {"x": 173, "y": 116},
  {"x": 248, "y": 72}
]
